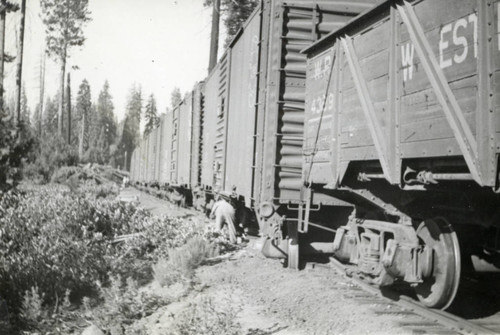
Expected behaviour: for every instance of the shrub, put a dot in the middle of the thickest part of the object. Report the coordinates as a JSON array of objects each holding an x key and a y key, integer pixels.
[
  {"x": 203, "y": 317},
  {"x": 32, "y": 311},
  {"x": 57, "y": 240},
  {"x": 15, "y": 146},
  {"x": 51, "y": 241},
  {"x": 64, "y": 173},
  {"x": 182, "y": 261},
  {"x": 122, "y": 303},
  {"x": 54, "y": 153}
]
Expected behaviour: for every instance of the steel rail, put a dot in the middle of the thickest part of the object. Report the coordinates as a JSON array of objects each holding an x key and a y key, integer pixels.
[{"x": 444, "y": 318}]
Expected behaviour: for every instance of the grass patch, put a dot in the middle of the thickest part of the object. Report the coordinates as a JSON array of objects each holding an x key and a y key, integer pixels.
[
  {"x": 182, "y": 261},
  {"x": 208, "y": 317}
]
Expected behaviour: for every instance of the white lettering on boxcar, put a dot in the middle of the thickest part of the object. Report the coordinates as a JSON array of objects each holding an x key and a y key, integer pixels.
[
  {"x": 443, "y": 44},
  {"x": 318, "y": 103},
  {"x": 460, "y": 40},
  {"x": 457, "y": 38},
  {"x": 407, "y": 52},
  {"x": 322, "y": 67}
]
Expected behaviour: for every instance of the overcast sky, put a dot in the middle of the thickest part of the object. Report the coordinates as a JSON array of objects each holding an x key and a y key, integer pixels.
[{"x": 158, "y": 44}]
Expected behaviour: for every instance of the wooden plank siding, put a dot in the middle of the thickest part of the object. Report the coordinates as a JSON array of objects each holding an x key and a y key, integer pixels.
[{"x": 431, "y": 70}]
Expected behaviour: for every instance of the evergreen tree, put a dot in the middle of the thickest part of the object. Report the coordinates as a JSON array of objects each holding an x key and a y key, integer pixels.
[
  {"x": 64, "y": 22},
  {"x": 151, "y": 116},
  {"x": 25, "y": 111},
  {"x": 49, "y": 121},
  {"x": 82, "y": 118},
  {"x": 175, "y": 97},
  {"x": 106, "y": 123},
  {"x": 37, "y": 120},
  {"x": 236, "y": 12},
  {"x": 94, "y": 132},
  {"x": 130, "y": 134}
]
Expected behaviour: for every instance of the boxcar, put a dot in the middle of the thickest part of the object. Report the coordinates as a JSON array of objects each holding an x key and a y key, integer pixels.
[
  {"x": 254, "y": 100},
  {"x": 402, "y": 136},
  {"x": 278, "y": 129}
]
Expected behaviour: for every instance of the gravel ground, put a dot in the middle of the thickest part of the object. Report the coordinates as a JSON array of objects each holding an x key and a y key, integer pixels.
[{"x": 264, "y": 297}]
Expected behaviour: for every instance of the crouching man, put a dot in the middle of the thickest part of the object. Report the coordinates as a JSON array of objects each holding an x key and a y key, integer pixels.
[{"x": 224, "y": 213}]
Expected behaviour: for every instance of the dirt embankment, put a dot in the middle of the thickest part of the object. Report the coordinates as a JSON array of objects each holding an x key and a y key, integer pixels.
[{"x": 256, "y": 295}]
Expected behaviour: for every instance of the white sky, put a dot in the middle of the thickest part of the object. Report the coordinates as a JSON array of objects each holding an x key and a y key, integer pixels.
[{"x": 159, "y": 44}]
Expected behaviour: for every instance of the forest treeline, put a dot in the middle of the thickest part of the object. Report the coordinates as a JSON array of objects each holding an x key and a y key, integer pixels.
[{"x": 74, "y": 127}]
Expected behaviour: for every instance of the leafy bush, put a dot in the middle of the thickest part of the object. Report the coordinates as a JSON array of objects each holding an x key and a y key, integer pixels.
[
  {"x": 16, "y": 142},
  {"x": 32, "y": 311},
  {"x": 50, "y": 240},
  {"x": 54, "y": 153},
  {"x": 54, "y": 241},
  {"x": 105, "y": 191},
  {"x": 182, "y": 261},
  {"x": 122, "y": 303},
  {"x": 64, "y": 173},
  {"x": 59, "y": 240}
]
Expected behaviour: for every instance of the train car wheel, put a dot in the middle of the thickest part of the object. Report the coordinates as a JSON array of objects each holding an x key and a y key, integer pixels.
[
  {"x": 293, "y": 246},
  {"x": 439, "y": 290}
]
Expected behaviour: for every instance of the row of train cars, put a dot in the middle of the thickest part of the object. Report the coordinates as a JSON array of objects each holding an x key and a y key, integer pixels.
[{"x": 366, "y": 130}]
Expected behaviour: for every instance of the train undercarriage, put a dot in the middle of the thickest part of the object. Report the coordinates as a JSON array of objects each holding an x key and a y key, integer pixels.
[{"x": 389, "y": 235}]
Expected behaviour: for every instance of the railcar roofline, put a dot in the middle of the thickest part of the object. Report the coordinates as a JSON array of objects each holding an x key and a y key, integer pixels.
[{"x": 357, "y": 22}]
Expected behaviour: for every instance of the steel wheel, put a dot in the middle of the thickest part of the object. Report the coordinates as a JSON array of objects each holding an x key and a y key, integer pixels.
[
  {"x": 439, "y": 290},
  {"x": 293, "y": 246}
]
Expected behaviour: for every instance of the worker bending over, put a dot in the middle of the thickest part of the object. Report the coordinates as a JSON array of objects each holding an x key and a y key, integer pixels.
[{"x": 224, "y": 213}]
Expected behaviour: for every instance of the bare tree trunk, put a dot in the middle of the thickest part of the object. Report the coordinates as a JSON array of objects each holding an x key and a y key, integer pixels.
[
  {"x": 214, "y": 41},
  {"x": 19, "y": 70},
  {"x": 61, "y": 99},
  {"x": 82, "y": 136},
  {"x": 2, "y": 48},
  {"x": 42, "y": 92},
  {"x": 68, "y": 99}
]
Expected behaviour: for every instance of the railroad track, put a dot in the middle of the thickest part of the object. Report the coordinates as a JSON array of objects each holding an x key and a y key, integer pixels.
[{"x": 417, "y": 317}]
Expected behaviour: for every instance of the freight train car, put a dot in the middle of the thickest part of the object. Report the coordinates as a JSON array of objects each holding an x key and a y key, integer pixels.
[
  {"x": 184, "y": 143},
  {"x": 254, "y": 103},
  {"x": 382, "y": 149},
  {"x": 402, "y": 141}
]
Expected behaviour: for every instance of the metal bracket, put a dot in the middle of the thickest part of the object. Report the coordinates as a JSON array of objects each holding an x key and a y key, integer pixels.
[{"x": 386, "y": 207}]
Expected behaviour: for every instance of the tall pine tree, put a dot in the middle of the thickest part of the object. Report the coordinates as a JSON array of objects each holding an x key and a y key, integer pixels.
[
  {"x": 151, "y": 116},
  {"x": 83, "y": 116},
  {"x": 131, "y": 127},
  {"x": 64, "y": 22},
  {"x": 175, "y": 97},
  {"x": 103, "y": 128},
  {"x": 49, "y": 120},
  {"x": 25, "y": 111},
  {"x": 236, "y": 12}
]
